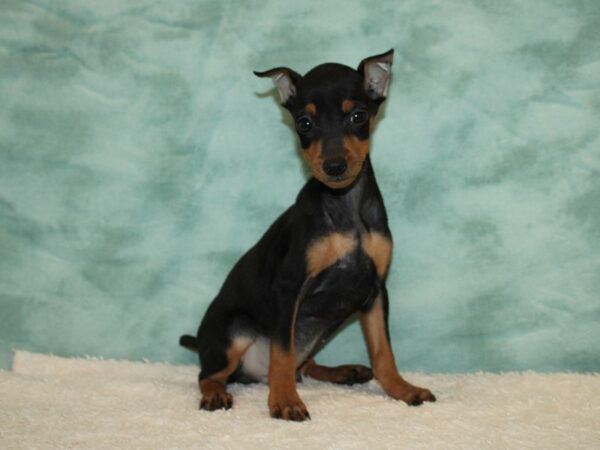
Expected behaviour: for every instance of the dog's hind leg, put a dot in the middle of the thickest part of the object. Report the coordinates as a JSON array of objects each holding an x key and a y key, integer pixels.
[
  {"x": 348, "y": 374},
  {"x": 218, "y": 362}
]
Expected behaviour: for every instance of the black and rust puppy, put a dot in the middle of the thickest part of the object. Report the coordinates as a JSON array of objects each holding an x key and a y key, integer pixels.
[{"x": 322, "y": 260}]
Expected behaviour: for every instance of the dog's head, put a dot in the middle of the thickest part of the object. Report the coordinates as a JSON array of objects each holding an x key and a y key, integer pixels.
[{"x": 333, "y": 107}]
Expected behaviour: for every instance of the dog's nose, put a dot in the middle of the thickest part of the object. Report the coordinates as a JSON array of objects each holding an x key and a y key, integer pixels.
[{"x": 334, "y": 166}]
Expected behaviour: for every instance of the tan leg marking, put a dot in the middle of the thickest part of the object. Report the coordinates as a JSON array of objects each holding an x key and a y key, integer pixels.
[
  {"x": 379, "y": 249},
  {"x": 214, "y": 393},
  {"x": 325, "y": 251},
  {"x": 346, "y": 374},
  {"x": 382, "y": 359},
  {"x": 284, "y": 401}
]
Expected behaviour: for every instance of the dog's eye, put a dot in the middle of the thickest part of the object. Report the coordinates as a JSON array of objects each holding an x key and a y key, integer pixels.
[
  {"x": 304, "y": 125},
  {"x": 359, "y": 117}
]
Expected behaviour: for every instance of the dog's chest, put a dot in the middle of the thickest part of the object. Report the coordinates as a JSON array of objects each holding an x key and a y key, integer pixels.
[
  {"x": 346, "y": 249},
  {"x": 346, "y": 267},
  {"x": 350, "y": 227}
]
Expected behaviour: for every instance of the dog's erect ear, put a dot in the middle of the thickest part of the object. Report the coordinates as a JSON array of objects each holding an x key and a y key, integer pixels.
[
  {"x": 376, "y": 71},
  {"x": 284, "y": 79}
]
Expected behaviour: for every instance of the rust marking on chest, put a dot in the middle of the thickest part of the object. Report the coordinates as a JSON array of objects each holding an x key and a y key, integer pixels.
[
  {"x": 325, "y": 251},
  {"x": 379, "y": 248}
]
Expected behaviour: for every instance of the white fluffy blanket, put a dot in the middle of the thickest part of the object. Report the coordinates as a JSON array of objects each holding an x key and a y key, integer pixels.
[{"x": 51, "y": 402}]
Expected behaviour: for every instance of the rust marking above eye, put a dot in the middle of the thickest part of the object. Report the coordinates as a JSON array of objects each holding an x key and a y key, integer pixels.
[
  {"x": 311, "y": 108},
  {"x": 327, "y": 250},
  {"x": 379, "y": 248},
  {"x": 347, "y": 106}
]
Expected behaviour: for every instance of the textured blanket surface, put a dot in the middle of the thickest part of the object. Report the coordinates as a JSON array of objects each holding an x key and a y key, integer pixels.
[
  {"x": 140, "y": 158},
  {"x": 51, "y": 402}
]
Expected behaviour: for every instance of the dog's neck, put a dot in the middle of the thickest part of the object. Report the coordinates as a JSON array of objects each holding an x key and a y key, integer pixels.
[{"x": 360, "y": 205}]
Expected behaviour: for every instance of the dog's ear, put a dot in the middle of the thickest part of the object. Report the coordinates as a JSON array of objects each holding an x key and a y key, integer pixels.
[
  {"x": 376, "y": 72},
  {"x": 284, "y": 79}
]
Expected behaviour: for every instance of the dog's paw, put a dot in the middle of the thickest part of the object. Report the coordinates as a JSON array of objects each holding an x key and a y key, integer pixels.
[
  {"x": 400, "y": 389},
  {"x": 216, "y": 400},
  {"x": 415, "y": 396},
  {"x": 356, "y": 374},
  {"x": 289, "y": 410}
]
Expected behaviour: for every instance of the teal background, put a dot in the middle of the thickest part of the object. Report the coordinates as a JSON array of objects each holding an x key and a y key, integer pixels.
[{"x": 139, "y": 158}]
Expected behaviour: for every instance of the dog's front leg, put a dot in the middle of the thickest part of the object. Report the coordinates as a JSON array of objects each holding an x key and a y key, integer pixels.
[
  {"x": 374, "y": 323},
  {"x": 284, "y": 401}
]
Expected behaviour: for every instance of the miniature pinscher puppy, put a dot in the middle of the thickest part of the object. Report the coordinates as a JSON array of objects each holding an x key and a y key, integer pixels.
[{"x": 322, "y": 260}]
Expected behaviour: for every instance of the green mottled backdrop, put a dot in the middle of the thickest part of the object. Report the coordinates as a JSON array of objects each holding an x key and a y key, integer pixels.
[{"x": 139, "y": 158}]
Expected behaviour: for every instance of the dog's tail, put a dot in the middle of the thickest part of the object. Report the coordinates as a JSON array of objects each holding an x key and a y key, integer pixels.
[{"x": 189, "y": 342}]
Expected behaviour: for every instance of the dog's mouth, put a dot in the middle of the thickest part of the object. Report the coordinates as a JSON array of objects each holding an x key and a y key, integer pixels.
[
  {"x": 339, "y": 182},
  {"x": 336, "y": 181}
]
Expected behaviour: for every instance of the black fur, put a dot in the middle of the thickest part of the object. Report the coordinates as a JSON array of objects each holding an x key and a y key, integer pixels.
[{"x": 260, "y": 294}]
